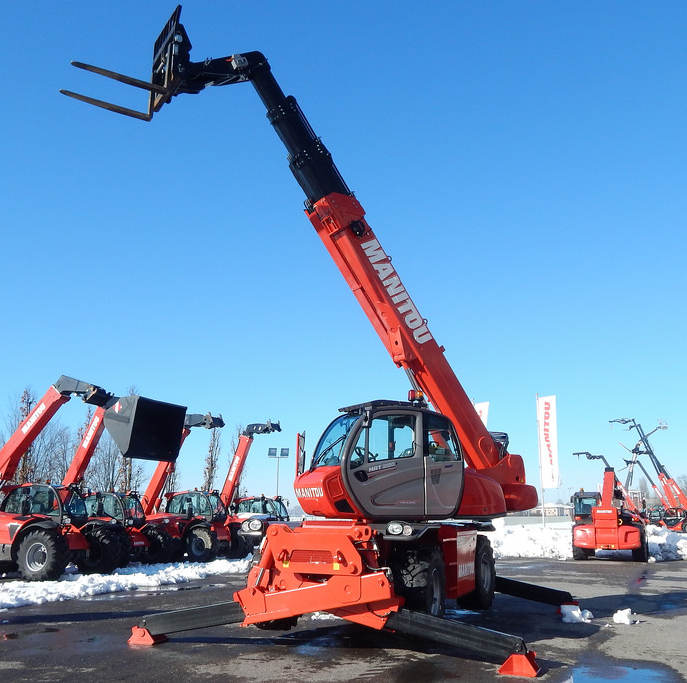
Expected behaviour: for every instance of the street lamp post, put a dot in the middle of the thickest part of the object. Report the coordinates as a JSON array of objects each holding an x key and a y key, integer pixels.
[{"x": 283, "y": 453}]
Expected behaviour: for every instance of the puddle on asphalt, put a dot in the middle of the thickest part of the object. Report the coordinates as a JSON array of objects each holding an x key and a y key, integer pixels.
[{"x": 625, "y": 674}]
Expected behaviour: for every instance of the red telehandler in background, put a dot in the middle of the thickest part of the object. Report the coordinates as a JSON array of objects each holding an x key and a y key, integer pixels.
[
  {"x": 402, "y": 511},
  {"x": 609, "y": 521},
  {"x": 214, "y": 506},
  {"x": 674, "y": 500},
  {"x": 140, "y": 538},
  {"x": 44, "y": 527}
]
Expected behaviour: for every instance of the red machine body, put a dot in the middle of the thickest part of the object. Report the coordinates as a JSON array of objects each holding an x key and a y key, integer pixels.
[
  {"x": 615, "y": 524},
  {"x": 389, "y": 477}
]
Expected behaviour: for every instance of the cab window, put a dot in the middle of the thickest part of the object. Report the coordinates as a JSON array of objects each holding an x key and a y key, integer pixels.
[
  {"x": 388, "y": 437},
  {"x": 440, "y": 443}
]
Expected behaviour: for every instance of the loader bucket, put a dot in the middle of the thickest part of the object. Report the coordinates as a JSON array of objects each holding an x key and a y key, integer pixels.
[{"x": 146, "y": 429}]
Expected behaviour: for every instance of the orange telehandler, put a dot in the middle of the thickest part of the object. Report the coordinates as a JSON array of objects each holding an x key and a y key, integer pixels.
[
  {"x": 402, "y": 492},
  {"x": 609, "y": 521}
]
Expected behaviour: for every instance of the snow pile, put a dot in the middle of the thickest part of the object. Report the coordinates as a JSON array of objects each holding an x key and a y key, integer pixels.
[
  {"x": 553, "y": 541},
  {"x": 624, "y": 616},
  {"x": 572, "y": 614},
  {"x": 71, "y": 586},
  {"x": 665, "y": 544}
]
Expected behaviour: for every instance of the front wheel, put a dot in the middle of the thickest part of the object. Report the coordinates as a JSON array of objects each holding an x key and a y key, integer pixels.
[
  {"x": 161, "y": 546},
  {"x": 424, "y": 581},
  {"x": 42, "y": 556},
  {"x": 104, "y": 551},
  {"x": 201, "y": 544},
  {"x": 485, "y": 578}
]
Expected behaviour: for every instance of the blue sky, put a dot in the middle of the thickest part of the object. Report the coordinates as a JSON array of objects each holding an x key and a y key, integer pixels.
[{"x": 523, "y": 163}]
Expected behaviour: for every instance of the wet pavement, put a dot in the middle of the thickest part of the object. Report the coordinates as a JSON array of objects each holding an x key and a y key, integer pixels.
[{"x": 86, "y": 639}]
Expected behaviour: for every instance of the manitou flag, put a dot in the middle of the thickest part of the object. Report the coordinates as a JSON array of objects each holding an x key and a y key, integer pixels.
[
  {"x": 482, "y": 410},
  {"x": 548, "y": 442}
]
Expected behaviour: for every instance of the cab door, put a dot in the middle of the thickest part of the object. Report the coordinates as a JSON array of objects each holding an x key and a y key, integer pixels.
[
  {"x": 443, "y": 465},
  {"x": 383, "y": 467}
]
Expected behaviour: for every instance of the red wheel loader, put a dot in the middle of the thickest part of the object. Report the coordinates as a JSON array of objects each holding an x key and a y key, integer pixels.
[{"x": 403, "y": 491}]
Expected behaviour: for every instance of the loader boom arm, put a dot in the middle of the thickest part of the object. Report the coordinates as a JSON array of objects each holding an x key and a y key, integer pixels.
[
  {"x": 340, "y": 222},
  {"x": 28, "y": 430}
]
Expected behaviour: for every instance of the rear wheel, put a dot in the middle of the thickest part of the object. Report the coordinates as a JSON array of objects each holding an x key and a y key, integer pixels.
[
  {"x": 641, "y": 554},
  {"x": 485, "y": 577},
  {"x": 103, "y": 551},
  {"x": 201, "y": 544},
  {"x": 42, "y": 556},
  {"x": 581, "y": 553}
]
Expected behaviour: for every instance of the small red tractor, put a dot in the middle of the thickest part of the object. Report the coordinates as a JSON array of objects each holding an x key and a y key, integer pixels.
[
  {"x": 607, "y": 521},
  {"x": 403, "y": 494}
]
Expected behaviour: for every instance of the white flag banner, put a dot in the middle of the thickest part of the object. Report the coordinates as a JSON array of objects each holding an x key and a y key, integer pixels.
[
  {"x": 483, "y": 411},
  {"x": 548, "y": 442}
]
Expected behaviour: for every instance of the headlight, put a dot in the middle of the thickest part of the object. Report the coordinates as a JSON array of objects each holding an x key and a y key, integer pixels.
[
  {"x": 252, "y": 525},
  {"x": 399, "y": 529}
]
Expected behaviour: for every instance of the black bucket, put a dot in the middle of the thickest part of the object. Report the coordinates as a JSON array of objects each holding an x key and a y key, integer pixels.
[{"x": 146, "y": 429}]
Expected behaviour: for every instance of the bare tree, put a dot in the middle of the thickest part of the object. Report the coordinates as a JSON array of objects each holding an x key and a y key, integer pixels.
[
  {"x": 212, "y": 459},
  {"x": 103, "y": 470},
  {"x": 26, "y": 465}
]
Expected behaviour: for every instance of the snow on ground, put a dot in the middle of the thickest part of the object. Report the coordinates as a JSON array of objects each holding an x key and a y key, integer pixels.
[
  {"x": 554, "y": 541},
  {"x": 572, "y": 614},
  {"x": 74, "y": 585},
  {"x": 550, "y": 541},
  {"x": 624, "y": 616}
]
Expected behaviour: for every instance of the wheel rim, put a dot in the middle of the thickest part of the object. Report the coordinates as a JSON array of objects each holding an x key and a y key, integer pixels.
[
  {"x": 198, "y": 546},
  {"x": 36, "y": 556}
]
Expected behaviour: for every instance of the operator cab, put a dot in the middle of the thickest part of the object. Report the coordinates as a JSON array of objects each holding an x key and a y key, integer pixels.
[
  {"x": 385, "y": 460},
  {"x": 125, "y": 508},
  {"x": 583, "y": 502},
  {"x": 197, "y": 504},
  {"x": 56, "y": 502}
]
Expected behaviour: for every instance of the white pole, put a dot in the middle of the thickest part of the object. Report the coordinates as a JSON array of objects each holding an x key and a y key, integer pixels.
[
  {"x": 541, "y": 478},
  {"x": 277, "y": 474}
]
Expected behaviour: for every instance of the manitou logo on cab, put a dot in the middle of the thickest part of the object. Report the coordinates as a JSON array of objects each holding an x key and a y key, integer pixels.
[
  {"x": 313, "y": 492},
  {"x": 395, "y": 289}
]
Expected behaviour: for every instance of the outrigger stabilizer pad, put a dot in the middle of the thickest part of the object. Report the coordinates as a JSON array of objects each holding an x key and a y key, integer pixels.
[{"x": 523, "y": 665}]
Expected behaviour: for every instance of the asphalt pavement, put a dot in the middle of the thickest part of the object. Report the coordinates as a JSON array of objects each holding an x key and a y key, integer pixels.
[{"x": 87, "y": 639}]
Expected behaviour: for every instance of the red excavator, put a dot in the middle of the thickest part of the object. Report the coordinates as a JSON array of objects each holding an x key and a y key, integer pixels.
[
  {"x": 43, "y": 527},
  {"x": 403, "y": 492},
  {"x": 610, "y": 521}
]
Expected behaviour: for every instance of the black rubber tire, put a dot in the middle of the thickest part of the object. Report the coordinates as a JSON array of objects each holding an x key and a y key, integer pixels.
[
  {"x": 423, "y": 581},
  {"x": 162, "y": 546},
  {"x": 201, "y": 544},
  {"x": 103, "y": 550},
  {"x": 641, "y": 554},
  {"x": 684, "y": 526},
  {"x": 42, "y": 555},
  {"x": 126, "y": 548},
  {"x": 579, "y": 553},
  {"x": 485, "y": 578}
]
